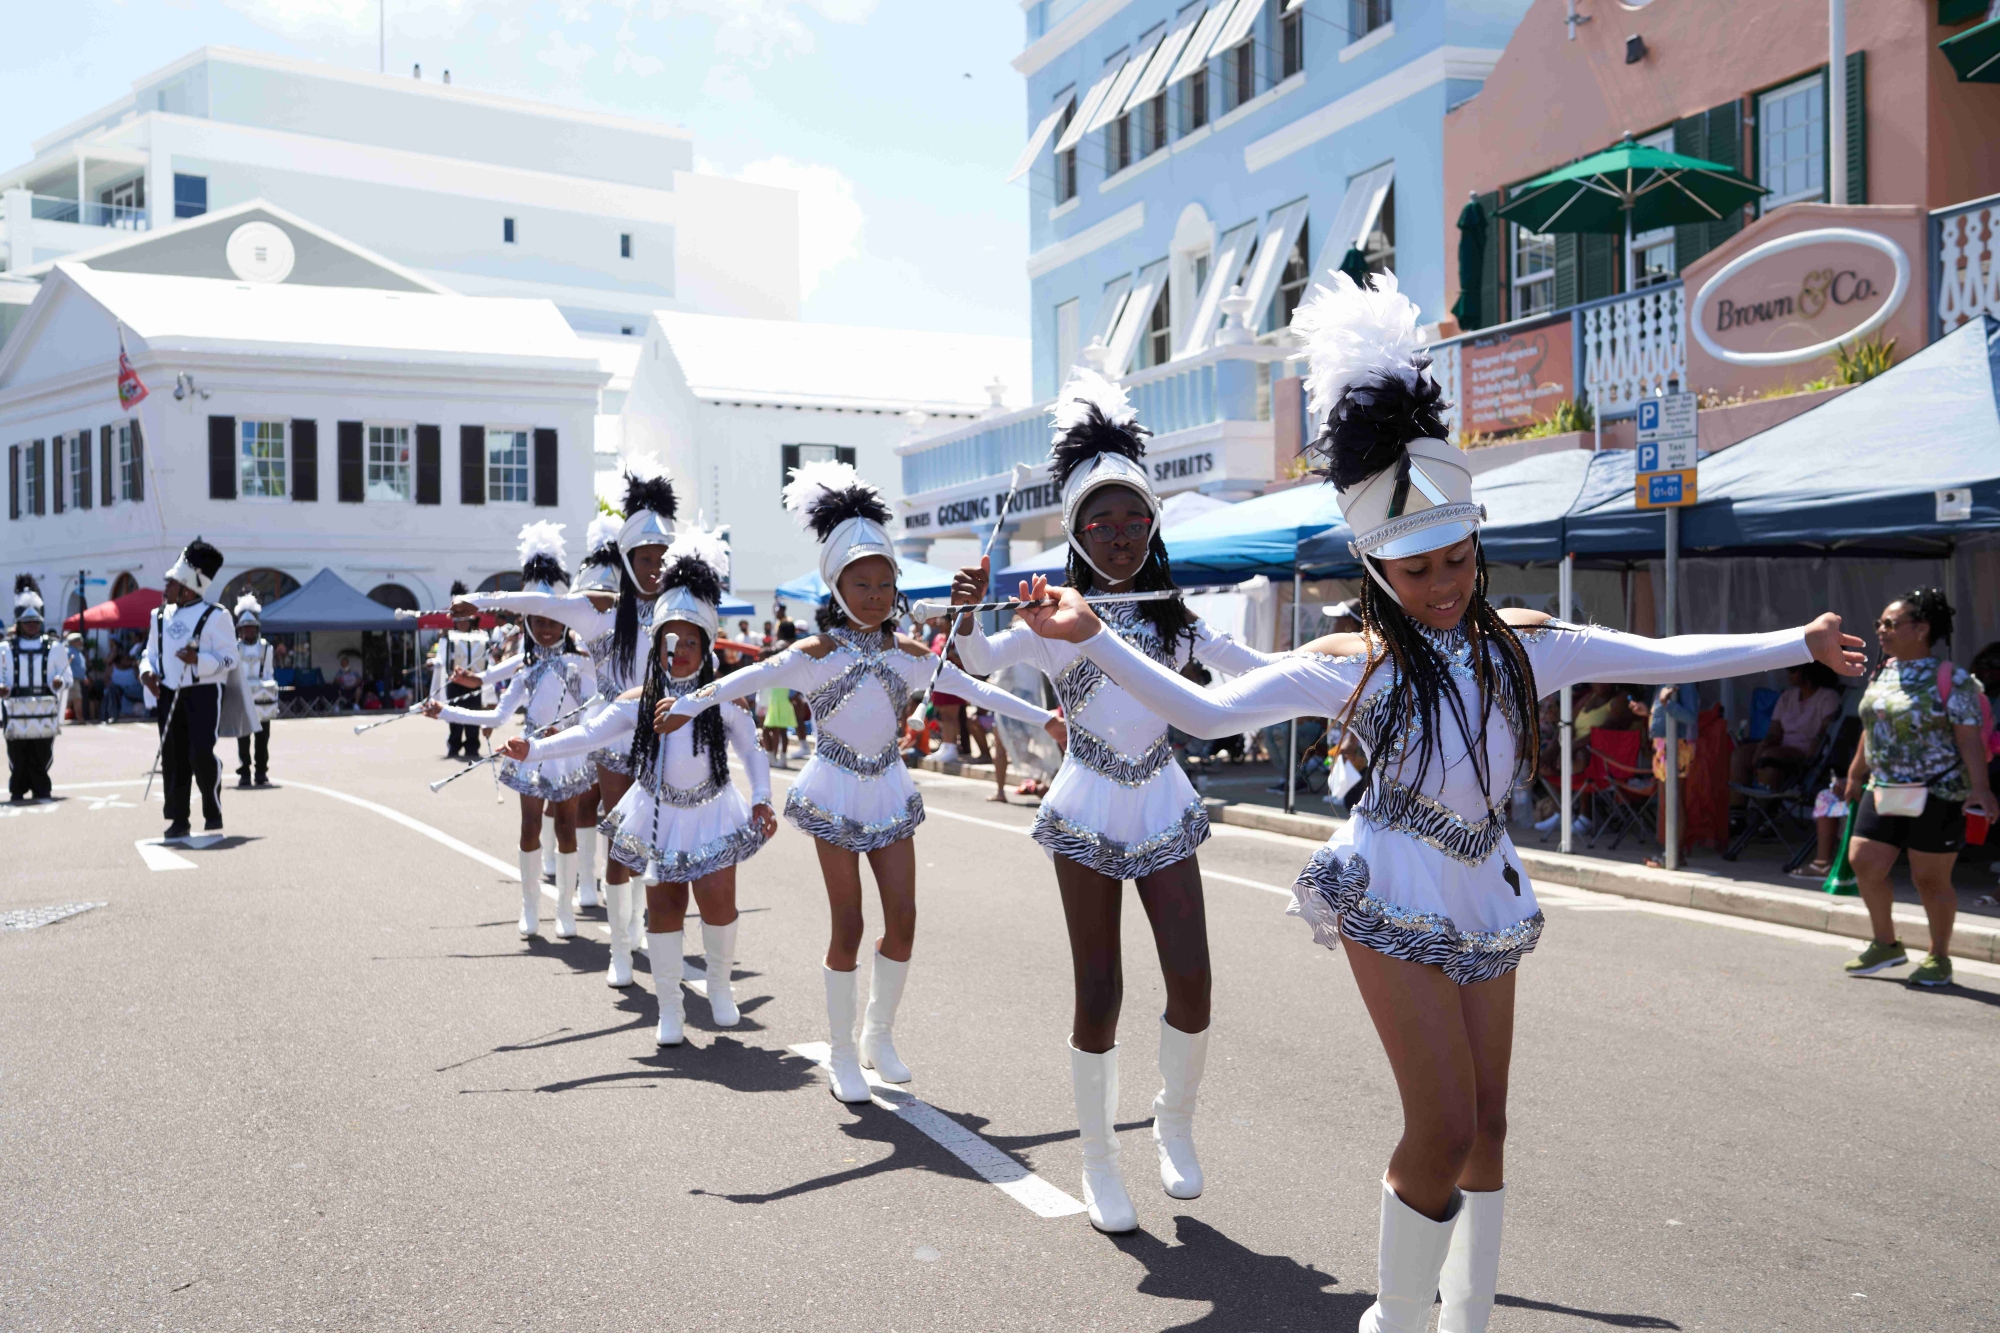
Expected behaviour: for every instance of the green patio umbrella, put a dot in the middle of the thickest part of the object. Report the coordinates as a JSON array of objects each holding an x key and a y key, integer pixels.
[
  {"x": 1975, "y": 53},
  {"x": 1630, "y": 188}
]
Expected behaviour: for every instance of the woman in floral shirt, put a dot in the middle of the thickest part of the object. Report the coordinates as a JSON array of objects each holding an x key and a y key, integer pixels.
[{"x": 1916, "y": 730}]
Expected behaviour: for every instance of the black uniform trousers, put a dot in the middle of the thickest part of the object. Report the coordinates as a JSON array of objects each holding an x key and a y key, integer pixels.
[
  {"x": 464, "y": 740},
  {"x": 28, "y": 767},
  {"x": 187, "y": 719},
  {"x": 262, "y": 739}
]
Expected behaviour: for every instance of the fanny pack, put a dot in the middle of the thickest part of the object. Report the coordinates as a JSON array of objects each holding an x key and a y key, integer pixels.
[{"x": 1905, "y": 799}]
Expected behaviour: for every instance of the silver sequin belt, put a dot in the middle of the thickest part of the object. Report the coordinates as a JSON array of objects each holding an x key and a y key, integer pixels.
[
  {"x": 1101, "y": 757},
  {"x": 687, "y": 797},
  {"x": 843, "y": 756},
  {"x": 1395, "y": 807}
]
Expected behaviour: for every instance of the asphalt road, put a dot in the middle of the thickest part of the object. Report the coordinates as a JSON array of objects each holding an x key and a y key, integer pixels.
[{"x": 317, "y": 1082}]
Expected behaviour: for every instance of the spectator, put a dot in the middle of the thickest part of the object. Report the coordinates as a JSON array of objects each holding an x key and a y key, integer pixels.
[
  {"x": 79, "y": 672},
  {"x": 1921, "y": 766},
  {"x": 399, "y": 695},
  {"x": 347, "y": 682},
  {"x": 1829, "y": 814},
  {"x": 1798, "y": 724},
  {"x": 125, "y": 695},
  {"x": 769, "y": 638}
]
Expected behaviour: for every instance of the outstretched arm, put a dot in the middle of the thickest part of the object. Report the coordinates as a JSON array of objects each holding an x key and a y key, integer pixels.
[
  {"x": 572, "y": 609},
  {"x": 741, "y": 728},
  {"x": 785, "y": 669},
  {"x": 609, "y": 728},
  {"x": 1226, "y": 652},
  {"x": 1565, "y": 654},
  {"x": 517, "y": 690},
  {"x": 953, "y": 681}
]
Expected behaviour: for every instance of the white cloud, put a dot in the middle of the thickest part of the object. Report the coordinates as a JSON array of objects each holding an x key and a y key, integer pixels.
[
  {"x": 566, "y": 58},
  {"x": 830, "y": 217},
  {"x": 573, "y": 11},
  {"x": 638, "y": 62}
]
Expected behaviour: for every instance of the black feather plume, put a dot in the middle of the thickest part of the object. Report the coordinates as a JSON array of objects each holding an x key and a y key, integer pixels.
[
  {"x": 26, "y": 583},
  {"x": 1372, "y": 424},
  {"x": 697, "y": 576},
  {"x": 543, "y": 569},
  {"x": 1095, "y": 434},
  {"x": 832, "y": 508},
  {"x": 649, "y": 492},
  {"x": 604, "y": 557},
  {"x": 458, "y": 589},
  {"x": 203, "y": 557}
]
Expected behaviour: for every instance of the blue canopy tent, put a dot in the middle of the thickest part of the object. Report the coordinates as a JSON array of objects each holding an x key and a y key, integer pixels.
[
  {"x": 329, "y": 602},
  {"x": 914, "y": 579},
  {"x": 735, "y": 608}
]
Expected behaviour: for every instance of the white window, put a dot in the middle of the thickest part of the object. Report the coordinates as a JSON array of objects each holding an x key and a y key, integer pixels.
[
  {"x": 388, "y": 463},
  {"x": 261, "y": 460},
  {"x": 1069, "y": 325},
  {"x": 1791, "y": 142},
  {"x": 31, "y": 478},
  {"x": 506, "y": 466},
  {"x": 128, "y": 464},
  {"x": 80, "y": 471},
  {"x": 1652, "y": 259},
  {"x": 1534, "y": 270}
]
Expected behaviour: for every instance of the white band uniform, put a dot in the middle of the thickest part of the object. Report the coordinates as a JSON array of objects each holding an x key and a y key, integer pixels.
[
  {"x": 551, "y": 684},
  {"x": 596, "y": 631}
]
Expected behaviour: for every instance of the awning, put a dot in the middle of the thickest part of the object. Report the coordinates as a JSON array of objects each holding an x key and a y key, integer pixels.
[
  {"x": 1110, "y": 305},
  {"x": 1975, "y": 53},
  {"x": 1241, "y": 20},
  {"x": 1079, "y": 124},
  {"x": 132, "y": 611},
  {"x": 1132, "y": 321},
  {"x": 1202, "y": 45},
  {"x": 329, "y": 602},
  {"x": 1113, "y": 105},
  {"x": 1222, "y": 275},
  {"x": 1359, "y": 208},
  {"x": 1154, "y": 80},
  {"x": 1036, "y": 140},
  {"x": 1281, "y": 233}
]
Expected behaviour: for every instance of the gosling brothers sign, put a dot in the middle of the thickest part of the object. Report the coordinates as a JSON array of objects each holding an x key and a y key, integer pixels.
[{"x": 1798, "y": 297}]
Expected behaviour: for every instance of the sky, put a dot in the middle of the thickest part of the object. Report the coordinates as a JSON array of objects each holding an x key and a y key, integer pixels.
[{"x": 895, "y": 119}]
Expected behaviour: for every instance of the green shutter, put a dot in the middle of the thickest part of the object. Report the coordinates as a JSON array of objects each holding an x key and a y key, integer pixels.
[
  {"x": 1857, "y": 128},
  {"x": 1691, "y": 140},
  {"x": 1568, "y": 290},
  {"x": 1597, "y": 266},
  {"x": 1716, "y": 135},
  {"x": 1493, "y": 276}
]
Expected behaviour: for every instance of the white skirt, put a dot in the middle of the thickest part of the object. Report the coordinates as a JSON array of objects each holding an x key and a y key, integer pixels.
[
  {"x": 1119, "y": 831},
  {"x": 839, "y": 806},
  {"x": 1400, "y": 896},
  {"x": 548, "y": 779},
  {"x": 672, "y": 844}
]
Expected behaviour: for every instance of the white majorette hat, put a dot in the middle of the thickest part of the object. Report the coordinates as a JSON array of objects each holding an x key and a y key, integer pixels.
[
  {"x": 1404, "y": 488},
  {"x": 27, "y": 598},
  {"x": 601, "y": 556},
  {"x": 249, "y": 610},
  {"x": 649, "y": 507},
  {"x": 1098, "y": 442},
  {"x": 691, "y": 587},
  {"x": 542, "y": 555},
  {"x": 847, "y": 515},
  {"x": 198, "y": 564}
]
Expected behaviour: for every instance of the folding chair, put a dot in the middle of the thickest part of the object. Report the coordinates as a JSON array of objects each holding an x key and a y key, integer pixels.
[
  {"x": 1629, "y": 792},
  {"x": 1768, "y": 810}
]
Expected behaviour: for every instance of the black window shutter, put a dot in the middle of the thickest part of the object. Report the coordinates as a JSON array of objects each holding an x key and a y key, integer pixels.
[
  {"x": 1725, "y": 145},
  {"x": 1691, "y": 240},
  {"x": 56, "y": 474},
  {"x": 41, "y": 480},
  {"x": 85, "y": 487},
  {"x": 107, "y": 467},
  {"x": 1493, "y": 278},
  {"x": 13, "y": 481},
  {"x": 472, "y": 465},
  {"x": 1569, "y": 290},
  {"x": 138, "y": 462},
  {"x": 305, "y": 460},
  {"x": 222, "y": 458},
  {"x": 545, "y": 468},
  {"x": 1857, "y": 128},
  {"x": 788, "y": 463},
  {"x": 842, "y": 453},
  {"x": 430, "y": 448},
  {"x": 1597, "y": 266},
  {"x": 347, "y": 462}
]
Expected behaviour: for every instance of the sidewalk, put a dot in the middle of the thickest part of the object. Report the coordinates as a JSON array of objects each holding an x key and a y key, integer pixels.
[{"x": 1976, "y": 934}]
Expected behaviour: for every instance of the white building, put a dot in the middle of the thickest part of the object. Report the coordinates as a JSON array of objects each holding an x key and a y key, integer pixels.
[
  {"x": 398, "y": 437},
  {"x": 487, "y": 195},
  {"x": 731, "y": 404}
]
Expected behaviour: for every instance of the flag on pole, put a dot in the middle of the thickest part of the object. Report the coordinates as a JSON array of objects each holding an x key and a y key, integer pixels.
[{"x": 130, "y": 388}]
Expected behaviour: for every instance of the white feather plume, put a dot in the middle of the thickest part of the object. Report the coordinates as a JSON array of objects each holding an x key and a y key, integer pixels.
[
  {"x": 705, "y": 545},
  {"x": 248, "y": 605},
  {"x": 603, "y": 531},
  {"x": 543, "y": 538},
  {"x": 644, "y": 467},
  {"x": 812, "y": 480},
  {"x": 27, "y": 601},
  {"x": 1087, "y": 388},
  {"x": 1352, "y": 335}
]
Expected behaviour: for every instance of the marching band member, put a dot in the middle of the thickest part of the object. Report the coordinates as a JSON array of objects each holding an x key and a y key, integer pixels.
[
  {"x": 598, "y": 574},
  {"x": 551, "y": 689},
  {"x": 462, "y": 650},
  {"x": 1119, "y": 808},
  {"x": 186, "y": 662},
  {"x": 854, "y": 796},
  {"x": 259, "y": 665},
  {"x": 34, "y": 672},
  {"x": 682, "y": 824},
  {"x": 1422, "y": 889},
  {"x": 615, "y": 630}
]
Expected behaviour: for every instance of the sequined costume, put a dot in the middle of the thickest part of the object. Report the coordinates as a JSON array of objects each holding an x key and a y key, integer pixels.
[
  {"x": 551, "y": 687},
  {"x": 594, "y": 630}
]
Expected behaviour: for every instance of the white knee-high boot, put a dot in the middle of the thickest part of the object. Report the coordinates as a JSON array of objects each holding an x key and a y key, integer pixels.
[
  {"x": 1183, "y": 1056},
  {"x": 718, "y": 945},
  {"x": 1472, "y": 1265},
  {"x": 1410, "y": 1254},
  {"x": 618, "y": 917},
  {"x": 531, "y": 894},
  {"x": 665, "y": 952},
  {"x": 885, "y": 993},
  {"x": 1094, "y": 1075},
  {"x": 565, "y": 882},
  {"x": 849, "y": 1084},
  {"x": 586, "y": 866}
]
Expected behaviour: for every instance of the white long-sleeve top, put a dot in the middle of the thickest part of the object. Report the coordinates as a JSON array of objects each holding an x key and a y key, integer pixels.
[
  {"x": 1312, "y": 684},
  {"x": 678, "y": 765},
  {"x": 458, "y": 650},
  {"x": 31, "y": 666},
  {"x": 594, "y": 629},
  {"x": 171, "y": 630},
  {"x": 548, "y": 688},
  {"x": 1091, "y": 703},
  {"x": 861, "y": 691}
]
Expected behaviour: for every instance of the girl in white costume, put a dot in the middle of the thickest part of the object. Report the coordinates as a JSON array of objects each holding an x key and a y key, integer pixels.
[
  {"x": 1119, "y": 808},
  {"x": 553, "y": 684},
  {"x": 1422, "y": 889},
  {"x": 682, "y": 823},
  {"x": 854, "y": 795},
  {"x": 614, "y": 625}
]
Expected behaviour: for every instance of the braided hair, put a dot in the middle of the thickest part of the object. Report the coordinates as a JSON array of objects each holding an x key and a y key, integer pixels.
[
  {"x": 708, "y": 738},
  {"x": 1929, "y": 606}
]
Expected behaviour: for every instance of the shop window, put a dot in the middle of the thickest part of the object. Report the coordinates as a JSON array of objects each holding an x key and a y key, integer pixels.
[{"x": 1791, "y": 142}]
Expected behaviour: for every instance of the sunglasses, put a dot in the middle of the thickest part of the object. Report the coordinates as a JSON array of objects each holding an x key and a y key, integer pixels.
[
  {"x": 1893, "y": 624},
  {"x": 1133, "y": 531}
]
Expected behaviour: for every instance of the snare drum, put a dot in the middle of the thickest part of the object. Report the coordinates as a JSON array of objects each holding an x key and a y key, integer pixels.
[{"x": 33, "y": 717}]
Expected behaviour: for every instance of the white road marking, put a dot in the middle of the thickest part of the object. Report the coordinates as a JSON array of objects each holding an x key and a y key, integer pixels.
[
  {"x": 156, "y": 856},
  {"x": 995, "y": 1167},
  {"x": 439, "y": 836},
  {"x": 34, "y": 918}
]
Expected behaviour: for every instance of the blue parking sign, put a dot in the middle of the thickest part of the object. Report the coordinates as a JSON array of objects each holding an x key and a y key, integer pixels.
[
  {"x": 1649, "y": 417},
  {"x": 1649, "y": 452},
  {"x": 1663, "y": 488}
]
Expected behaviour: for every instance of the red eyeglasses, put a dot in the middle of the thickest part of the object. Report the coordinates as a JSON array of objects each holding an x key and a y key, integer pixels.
[{"x": 1134, "y": 531}]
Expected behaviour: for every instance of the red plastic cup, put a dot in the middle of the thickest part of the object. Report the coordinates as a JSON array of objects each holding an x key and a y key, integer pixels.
[{"x": 1975, "y": 830}]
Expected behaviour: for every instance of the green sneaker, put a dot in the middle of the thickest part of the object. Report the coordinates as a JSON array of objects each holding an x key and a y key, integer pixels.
[
  {"x": 1876, "y": 957},
  {"x": 1932, "y": 972}
]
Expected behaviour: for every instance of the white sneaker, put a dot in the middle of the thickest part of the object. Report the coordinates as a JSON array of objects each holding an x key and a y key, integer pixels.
[{"x": 947, "y": 753}]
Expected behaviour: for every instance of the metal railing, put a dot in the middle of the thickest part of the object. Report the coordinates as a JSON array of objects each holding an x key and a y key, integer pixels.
[
  {"x": 119, "y": 217},
  {"x": 1965, "y": 263}
]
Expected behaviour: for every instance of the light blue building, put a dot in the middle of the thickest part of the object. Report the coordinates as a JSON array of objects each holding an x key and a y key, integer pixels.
[{"x": 1181, "y": 151}]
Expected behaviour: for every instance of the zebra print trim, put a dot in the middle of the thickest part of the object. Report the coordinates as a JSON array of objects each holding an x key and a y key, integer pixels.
[
  {"x": 536, "y": 783},
  {"x": 1101, "y": 757},
  {"x": 843, "y": 756},
  {"x": 873, "y": 660},
  {"x": 615, "y": 760},
  {"x": 817, "y": 821},
  {"x": 1393, "y": 807},
  {"x": 686, "y": 798},
  {"x": 682, "y": 867},
  {"x": 1122, "y": 860},
  {"x": 1328, "y": 891}
]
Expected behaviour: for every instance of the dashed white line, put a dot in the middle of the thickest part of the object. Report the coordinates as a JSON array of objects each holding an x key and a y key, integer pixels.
[{"x": 156, "y": 856}]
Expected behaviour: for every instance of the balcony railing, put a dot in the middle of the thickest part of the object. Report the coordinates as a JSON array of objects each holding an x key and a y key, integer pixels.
[
  {"x": 1965, "y": 263},
  {"x": 119, "y": 217}
]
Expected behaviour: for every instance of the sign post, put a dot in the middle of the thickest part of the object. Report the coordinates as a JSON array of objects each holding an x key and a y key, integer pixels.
[{"x": 1664, "y": 478}]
